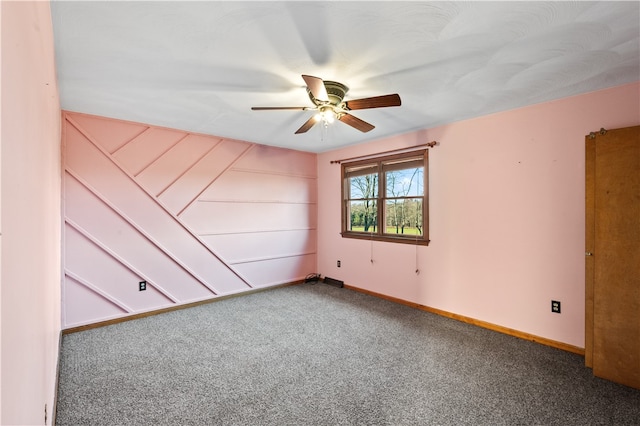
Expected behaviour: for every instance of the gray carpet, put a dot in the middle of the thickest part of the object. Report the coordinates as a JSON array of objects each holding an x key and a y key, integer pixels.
[{"x": 313, "y": 354}]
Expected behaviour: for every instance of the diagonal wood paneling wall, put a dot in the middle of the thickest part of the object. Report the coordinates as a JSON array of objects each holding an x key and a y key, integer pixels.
[{"x": 195, "y": 216}]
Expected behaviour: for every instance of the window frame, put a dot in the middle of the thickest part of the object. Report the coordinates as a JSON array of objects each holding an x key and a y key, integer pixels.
[{"x": 377, "y": 164}]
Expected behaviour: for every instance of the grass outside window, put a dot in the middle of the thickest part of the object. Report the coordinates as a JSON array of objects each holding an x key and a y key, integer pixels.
[{"x": 385, "y": 198}]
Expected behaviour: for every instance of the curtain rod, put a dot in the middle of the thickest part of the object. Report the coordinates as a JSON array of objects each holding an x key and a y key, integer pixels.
[{"x": 407, "y": 149}]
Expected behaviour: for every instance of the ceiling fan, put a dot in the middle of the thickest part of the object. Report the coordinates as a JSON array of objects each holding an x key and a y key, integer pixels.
[{"x": 327, "y": 97}]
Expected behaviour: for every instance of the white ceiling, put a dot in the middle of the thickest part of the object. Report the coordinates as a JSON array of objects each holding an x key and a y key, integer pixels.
[{"x": 200, "y": 66}]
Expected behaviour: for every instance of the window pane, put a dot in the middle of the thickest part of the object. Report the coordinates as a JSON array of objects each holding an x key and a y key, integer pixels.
[
  {"x": 363, "y": 216},
  {"x": 365, "y": 186},
  {"x": 403, "y": 216},
  {"x": 405, "y": 182},
  {"x": 385, "y": 197}
]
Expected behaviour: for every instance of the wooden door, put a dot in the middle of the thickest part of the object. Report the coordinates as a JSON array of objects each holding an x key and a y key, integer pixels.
[{"x": 612, "y": 344}]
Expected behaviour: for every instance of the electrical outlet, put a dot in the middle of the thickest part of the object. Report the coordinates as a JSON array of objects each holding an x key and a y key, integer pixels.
[
  {"x": 338, "y": 263},
  {"x": 555, "y": 306},
  {"x": 142, "y": 285}
]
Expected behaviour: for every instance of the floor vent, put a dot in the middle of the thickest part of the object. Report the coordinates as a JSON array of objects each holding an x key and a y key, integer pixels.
[{"x": 333, "y": 282}]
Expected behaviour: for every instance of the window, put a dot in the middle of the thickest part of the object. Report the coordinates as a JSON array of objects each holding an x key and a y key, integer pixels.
[{"x": 385, "y": 198}]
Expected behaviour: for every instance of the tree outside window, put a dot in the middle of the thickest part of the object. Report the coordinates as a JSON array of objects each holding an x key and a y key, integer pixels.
[{"x": 385, "y": 198}]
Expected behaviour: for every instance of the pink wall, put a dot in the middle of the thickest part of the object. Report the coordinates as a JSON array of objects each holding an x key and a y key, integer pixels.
[
  {"x": 195, "y": 216},
  {"x": 506, "y": 216},
  {"x": 30, "y": 171}
]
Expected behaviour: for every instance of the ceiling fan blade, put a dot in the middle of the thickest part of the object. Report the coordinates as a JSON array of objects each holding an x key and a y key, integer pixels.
[
  {"x": 374, "y": 102},
  {"x": 307, "y": 125},
  {"x": 316, "y": 87},
  {"x": 278, "y": 108},
  {"x": 356, "y": 123}
]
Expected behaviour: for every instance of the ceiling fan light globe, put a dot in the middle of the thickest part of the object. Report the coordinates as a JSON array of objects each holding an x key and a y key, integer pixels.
[{"x": 329, "y": 116}]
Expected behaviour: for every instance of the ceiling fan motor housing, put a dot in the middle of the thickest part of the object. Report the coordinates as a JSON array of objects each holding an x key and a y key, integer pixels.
[
  {"x": 336, "y": 92},
  {"x": 331, "y": 104}
]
